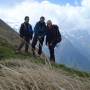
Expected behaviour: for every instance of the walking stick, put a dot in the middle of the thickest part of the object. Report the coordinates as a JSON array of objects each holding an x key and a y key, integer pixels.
[{"x": 47, "y": 61}]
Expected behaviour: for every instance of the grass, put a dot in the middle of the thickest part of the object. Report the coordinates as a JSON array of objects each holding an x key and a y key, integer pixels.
[
  {"x": 71, "y": 71},
  {"x": 8, "y": 52},
  {"x": 24, "y": 72}
]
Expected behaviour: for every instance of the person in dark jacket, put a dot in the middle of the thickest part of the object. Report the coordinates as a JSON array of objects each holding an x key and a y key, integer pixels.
[
  {"x": 53, "y": 37},
  {"x": 39, "y": 34},
  {"x": 26, "y": 34}
]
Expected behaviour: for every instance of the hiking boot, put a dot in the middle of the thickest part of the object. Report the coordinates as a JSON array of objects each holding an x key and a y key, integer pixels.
[
  {"x": 26, "y": 52},
  {"x": 17, "y": 51},
  {"x": 33, "y": 52},
  {"x": 52, "y": 61}
]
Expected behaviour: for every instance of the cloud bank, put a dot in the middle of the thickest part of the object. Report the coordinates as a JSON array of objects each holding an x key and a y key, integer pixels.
[{"x": 68, "y": 17}]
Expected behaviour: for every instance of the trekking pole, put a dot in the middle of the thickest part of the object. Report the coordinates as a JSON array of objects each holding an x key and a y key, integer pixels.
[
  {"x": 45, "y": 57},
  {"x": 26, "y": 42},
  {"x": 47, "y": 61}
]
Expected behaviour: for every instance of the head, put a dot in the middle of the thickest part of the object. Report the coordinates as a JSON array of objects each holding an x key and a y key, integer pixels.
[
  {"x": 49, "y": 23},
  {"x": 26, "y": 19},
  {"x": 42, "y": 19}
]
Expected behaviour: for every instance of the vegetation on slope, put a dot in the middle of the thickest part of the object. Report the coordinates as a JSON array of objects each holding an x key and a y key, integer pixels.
[
  {"x": 7, "y": 51},
  {"x": 24, "y": 72}
]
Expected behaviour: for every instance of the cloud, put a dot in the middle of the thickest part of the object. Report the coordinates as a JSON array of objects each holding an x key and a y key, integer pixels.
[{"x": 68, "y": 17}]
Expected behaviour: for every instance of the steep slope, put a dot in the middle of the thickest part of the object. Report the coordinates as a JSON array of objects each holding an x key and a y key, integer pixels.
[
  {"x": 7, "y": 33},
  {"x": 27, "y": 75},
  {"x": 9, "y": 39}
]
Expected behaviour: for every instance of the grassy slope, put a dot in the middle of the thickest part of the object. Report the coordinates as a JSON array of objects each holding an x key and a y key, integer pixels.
[
  {"x": 7, "y": 51},
  {"x": 24, "y": 72},
  {"x": 7, "y": 33}
]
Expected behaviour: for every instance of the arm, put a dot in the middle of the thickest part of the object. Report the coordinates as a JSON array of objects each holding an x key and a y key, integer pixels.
[
  {"x": 45, "y": 30},
  {"x": 36, "y": 28},
  {"x": 46, "y": 40},
  {"x": 22, "y": 30},
  {"x": 31, "y": 31}
]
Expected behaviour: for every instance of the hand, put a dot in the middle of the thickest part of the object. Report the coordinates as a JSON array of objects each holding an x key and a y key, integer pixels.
[
  {"x": 50, "y": 44},
  {"x": 39, "y": 37},
  {"x": 23, "y": 37}
]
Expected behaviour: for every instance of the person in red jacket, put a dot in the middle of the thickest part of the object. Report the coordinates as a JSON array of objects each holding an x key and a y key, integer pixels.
[{"x": 53, "y": 37}]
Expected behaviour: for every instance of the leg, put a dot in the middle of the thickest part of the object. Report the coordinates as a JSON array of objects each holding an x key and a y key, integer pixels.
[
  {"x": 34, "y": 42},
  {"x": 40, "y": 46},
  {"x": 52, "y": 56},
  {"x": 27, "y": 44}
]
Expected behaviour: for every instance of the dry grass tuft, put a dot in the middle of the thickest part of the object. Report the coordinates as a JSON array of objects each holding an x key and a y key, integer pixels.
[{"x": 24, "y": 75}]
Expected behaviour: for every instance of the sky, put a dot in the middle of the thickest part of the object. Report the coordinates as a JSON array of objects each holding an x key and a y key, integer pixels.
[
  {"x": 68, "y": 14},
  {"x": 6, "y": 3}
]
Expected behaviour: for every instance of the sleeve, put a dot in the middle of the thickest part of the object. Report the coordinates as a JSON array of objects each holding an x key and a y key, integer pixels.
[
  {"x": 22, "y": 30},
  {"x": 31, "y": 31},
  {"x": 46, "y": 39},
  {"x": 36, "y": 28},
  {"x": 45, "y": 30}
]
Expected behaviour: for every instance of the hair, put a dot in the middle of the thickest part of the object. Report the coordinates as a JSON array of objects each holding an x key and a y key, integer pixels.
[
  {"x": 42, "y": 17},
  {"x": 26, "y": 17},
  {"x": 49, "y": 21}
]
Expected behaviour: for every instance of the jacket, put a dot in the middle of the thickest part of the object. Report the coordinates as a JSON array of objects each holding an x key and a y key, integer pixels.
[
  {"x": 53, "y": 36},
  {"x": 26, "y": 30},
  {"x": 40, "y": 29}
]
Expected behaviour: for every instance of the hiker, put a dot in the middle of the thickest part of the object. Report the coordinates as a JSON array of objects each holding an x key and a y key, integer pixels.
[
  {"x": 53, "y": 37},
  {"x": 39, "y": 34},
  {"x": 26, "y": 34}
]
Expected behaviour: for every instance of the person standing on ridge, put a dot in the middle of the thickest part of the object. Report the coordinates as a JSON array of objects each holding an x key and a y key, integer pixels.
[
  {"x": 26, "y": 34},
  {"x": 39, "y": 34},
  {"x": 53, "y": 37}
]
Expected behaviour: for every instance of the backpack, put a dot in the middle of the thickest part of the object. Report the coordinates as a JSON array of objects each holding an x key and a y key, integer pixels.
[{"x": 58, "y": 34}]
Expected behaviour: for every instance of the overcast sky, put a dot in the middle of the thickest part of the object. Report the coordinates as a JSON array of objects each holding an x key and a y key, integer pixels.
[{"x": 68, "y": 14}]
